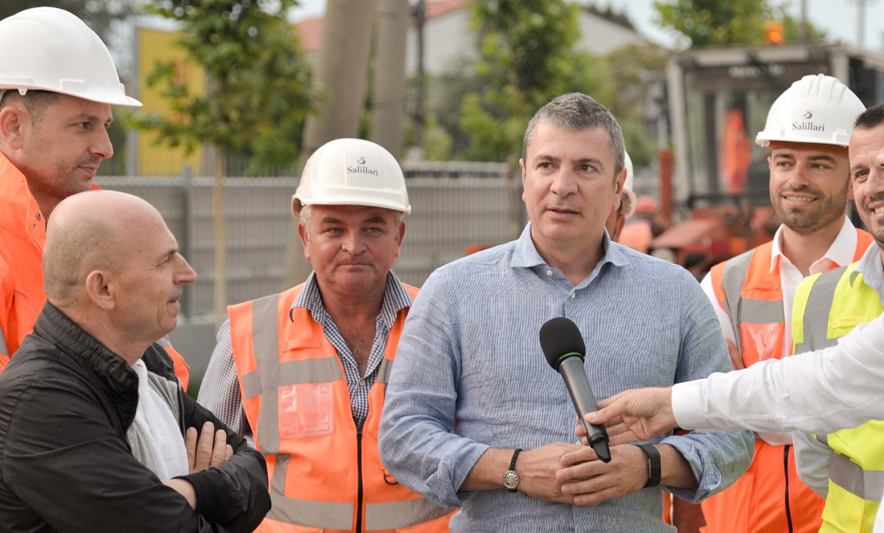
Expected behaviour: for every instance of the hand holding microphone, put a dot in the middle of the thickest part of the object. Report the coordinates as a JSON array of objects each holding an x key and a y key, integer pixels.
[{"x": 565, "y": 350}]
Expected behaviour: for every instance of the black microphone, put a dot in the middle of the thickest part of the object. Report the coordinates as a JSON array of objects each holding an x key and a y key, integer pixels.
[{"x": 564, "y": 349}]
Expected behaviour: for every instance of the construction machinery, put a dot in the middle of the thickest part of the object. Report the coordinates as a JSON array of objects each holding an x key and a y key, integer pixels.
[{"x": 718, "y": 100}]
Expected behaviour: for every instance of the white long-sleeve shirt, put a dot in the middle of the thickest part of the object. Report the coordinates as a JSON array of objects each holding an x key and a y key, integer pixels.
[{"x": 820, "y": 392}]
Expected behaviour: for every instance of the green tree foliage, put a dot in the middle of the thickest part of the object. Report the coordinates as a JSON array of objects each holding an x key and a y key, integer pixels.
[
  {"x": 707, "y": 22},
  {"x": 526, "y": 57},
  {"x": 100, "y": 15},
  {"x": 631, "y": 69},
  {"x": 710, "y": 22},
  {"x": 260, "y": 90}
]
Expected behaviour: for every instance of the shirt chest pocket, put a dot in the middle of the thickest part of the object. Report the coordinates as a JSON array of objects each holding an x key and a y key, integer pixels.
[{"x": 306, "y": 392}]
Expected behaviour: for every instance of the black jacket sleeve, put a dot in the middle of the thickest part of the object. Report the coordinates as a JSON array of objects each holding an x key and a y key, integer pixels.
[
  {"x": 63, "y": 464},
  {"x": 235, "y": 493},
  {"x": 158, "y": 361}
]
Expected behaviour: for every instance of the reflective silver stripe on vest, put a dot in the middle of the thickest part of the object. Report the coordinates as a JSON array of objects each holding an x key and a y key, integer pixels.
[
  {"x": 397, "y": 515},
  {"x": 756, "y": 311},
  {"x": 868, "y": 484},
  {"x": 265, "y": 341},
  {"x": 294, "y": 373},
  {"x": 307, "y": 513},
  {"x": 384, "y": 370},
  {"x": 816, "y": 312},
  {"x": 4, "y": 348},
  {"x": 823, "y": 438}
]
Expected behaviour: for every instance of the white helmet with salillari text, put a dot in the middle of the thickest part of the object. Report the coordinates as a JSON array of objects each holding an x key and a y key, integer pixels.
[{"x": 352, "y": 172}]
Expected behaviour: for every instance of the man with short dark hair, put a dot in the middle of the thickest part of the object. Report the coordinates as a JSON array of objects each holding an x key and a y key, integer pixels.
[
  {"x": 57, "y": 85},
  {"x": 475, "y": 417}
]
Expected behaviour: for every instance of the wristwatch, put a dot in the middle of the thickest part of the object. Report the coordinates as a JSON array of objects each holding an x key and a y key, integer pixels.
[
  {"x": 511, "y": 477},
  {"x": 654, "y": 469}
]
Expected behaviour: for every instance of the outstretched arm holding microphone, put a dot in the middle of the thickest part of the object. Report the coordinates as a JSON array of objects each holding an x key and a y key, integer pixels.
[{"x": 821, "y": 392}]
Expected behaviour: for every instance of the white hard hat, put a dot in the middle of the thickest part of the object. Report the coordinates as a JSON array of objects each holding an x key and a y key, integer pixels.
[
  {"x": 815, "y": 109},
  {"x": 50, "y": 49},
  {"x": 627, "y": 185},
  {"x": 352, "y": 172}
]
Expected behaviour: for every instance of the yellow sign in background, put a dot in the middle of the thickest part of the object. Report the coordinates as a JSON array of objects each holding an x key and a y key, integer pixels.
[{"x": 159, "y": 45}]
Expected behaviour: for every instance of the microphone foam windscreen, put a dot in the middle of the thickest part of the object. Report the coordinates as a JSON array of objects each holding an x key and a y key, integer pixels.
[{"x": 560, "y": 336}]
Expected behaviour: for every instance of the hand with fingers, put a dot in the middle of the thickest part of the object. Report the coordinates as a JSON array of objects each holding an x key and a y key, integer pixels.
[
  {"x": 589, "y": 481},
  {"x": 537, "y": 469},
  {"x": 634, "y": 415},
  {"x": 206, "y": 448}
]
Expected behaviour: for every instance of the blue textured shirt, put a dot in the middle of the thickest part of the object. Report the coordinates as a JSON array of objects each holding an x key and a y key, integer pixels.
[{"x": 470, "y": 374}]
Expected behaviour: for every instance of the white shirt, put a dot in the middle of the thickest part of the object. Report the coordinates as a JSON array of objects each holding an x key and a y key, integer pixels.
[
  {"x": 166, "y": 456},
  {"x": 820, "y": 392}
]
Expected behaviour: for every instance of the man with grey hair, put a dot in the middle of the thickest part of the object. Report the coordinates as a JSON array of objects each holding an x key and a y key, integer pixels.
[
  {"x": 471, "y": 388},
  {"x": 303, "y": 372}
]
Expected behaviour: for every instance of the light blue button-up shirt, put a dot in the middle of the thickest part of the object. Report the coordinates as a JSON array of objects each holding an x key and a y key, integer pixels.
[{"x": 470, "y": 374}]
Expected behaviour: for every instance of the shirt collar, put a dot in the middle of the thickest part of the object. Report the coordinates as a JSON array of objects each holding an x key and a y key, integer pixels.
[
  {"x": 841, "y": 251},
  {"x": 527, "y": 256},
  {"x": 871, "y": 268},
  {"x": 396, "y": 298}
]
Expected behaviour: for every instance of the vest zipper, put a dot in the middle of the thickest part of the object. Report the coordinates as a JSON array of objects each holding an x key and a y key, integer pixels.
[
  {"x": 786, "y": 466},
  {"x": 359, "y": 489}
]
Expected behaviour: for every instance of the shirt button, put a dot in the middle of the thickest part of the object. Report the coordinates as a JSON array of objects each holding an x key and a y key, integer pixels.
[
  {"x": 361, "y": 382},
  {"x": 573, "y": 295},
  {"x": 549, "y": 273},
  {"x": 39, "y": 216}
]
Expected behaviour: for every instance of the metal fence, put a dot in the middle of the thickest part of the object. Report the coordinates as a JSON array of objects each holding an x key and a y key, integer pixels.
[{"x": 455, "y": 207}]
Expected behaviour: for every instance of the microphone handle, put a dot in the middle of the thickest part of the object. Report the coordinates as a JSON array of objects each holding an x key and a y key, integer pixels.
[{"x": 575, "y": 378}]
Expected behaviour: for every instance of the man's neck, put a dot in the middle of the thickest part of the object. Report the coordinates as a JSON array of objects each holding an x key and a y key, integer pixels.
[
  {"x": 95, "y": 324},
  {"x": 575, "y": 264},
  {"x": 46, "y": 204},
  {"x": 804, "y": 250},
  {"x": 362, "y": 306}
]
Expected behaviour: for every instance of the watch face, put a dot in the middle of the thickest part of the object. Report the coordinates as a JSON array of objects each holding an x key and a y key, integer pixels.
[{"x": 511, "y": 479}]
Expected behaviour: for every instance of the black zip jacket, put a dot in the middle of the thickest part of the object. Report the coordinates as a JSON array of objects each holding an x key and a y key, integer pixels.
[{"x": 66, "y": 402}]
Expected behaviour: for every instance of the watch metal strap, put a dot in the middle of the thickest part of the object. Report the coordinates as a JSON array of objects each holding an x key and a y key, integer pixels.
[{"x": 654, "y": 470}]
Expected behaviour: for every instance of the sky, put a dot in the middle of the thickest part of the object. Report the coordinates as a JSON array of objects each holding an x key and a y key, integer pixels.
[{"x": 839, "y": 18}]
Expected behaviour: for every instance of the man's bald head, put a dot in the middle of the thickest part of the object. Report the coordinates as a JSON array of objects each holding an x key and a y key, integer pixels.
[{"x": 89, "y": 231}]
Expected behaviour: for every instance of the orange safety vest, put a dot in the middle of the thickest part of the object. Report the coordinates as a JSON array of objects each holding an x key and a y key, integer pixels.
[
  {"x": 22, "y": 237},
  {"x": 769, "y": 497},
  {"x": 324, "y": 474}
]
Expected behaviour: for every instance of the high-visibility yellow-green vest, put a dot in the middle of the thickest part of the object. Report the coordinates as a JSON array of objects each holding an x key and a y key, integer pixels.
[{"x": 828, "y": 306}]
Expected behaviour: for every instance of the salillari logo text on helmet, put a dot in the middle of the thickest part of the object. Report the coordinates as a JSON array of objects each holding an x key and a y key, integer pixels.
[
  {"x": 362, "y": 168},
  {"x": 807, "y": 125}
]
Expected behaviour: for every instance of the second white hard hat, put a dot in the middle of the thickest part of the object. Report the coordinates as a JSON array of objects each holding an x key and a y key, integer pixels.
[
  {"x": 352, "y": 172},
  {"x": 627, "y": 185},
  {"x": 815, "y": 109},
  {"x": 50, "y": 49}
]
